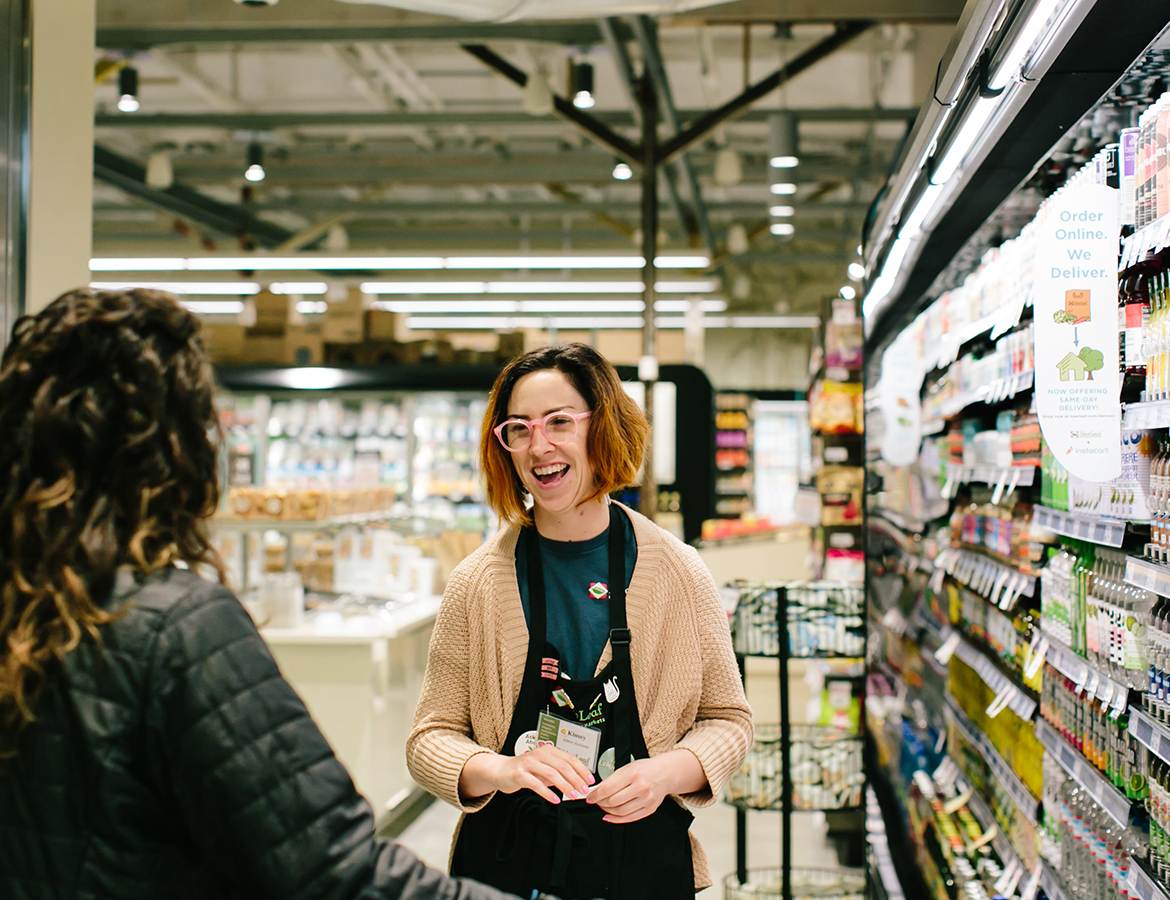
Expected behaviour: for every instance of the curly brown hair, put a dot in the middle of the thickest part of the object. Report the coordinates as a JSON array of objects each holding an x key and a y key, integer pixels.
[{"x": 109, "y": 460}]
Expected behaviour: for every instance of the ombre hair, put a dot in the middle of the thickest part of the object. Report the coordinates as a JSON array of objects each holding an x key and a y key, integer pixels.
[
  {"x": 109, "y": 458},
  {"x": 616, "y": 433}
]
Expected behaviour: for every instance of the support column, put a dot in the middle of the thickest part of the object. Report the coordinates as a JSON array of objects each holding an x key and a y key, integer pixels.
[
  {"x": 648, "y": 364},
  {"x": 14, "y": 78},
  {"x": 60, "y": 163}
]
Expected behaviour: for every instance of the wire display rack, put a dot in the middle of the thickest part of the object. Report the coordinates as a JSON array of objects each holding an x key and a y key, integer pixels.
[
  {"x": 796, "y": 768},
  {"x": 826, "y": 769},
  {"x": 806, "y": 884},
  {"x": 825, "y": 619}
]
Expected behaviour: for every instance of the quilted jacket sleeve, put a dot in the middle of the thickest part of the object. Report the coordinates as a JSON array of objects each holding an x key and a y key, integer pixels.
[{"x": 257, "y": 785}]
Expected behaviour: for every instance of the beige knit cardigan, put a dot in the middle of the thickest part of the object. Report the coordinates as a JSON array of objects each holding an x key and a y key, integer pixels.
[{"x": 685, "y": 676}]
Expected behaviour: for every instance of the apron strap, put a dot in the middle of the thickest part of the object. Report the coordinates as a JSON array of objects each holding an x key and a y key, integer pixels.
[
  {"x": 627, "y": 730},
  {"x": 532, "y": 685}
]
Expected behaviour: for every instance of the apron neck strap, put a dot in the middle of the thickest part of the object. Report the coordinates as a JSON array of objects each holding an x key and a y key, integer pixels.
[{"x": 619, "y": 641}]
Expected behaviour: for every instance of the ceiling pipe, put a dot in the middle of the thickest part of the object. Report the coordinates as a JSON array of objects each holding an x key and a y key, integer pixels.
[{"x": 516, "y": 10}]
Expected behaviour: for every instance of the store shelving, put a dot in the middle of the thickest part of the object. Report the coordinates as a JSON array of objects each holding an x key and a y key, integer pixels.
[
  {"x": 881, "y": 859},
  {"x": 1051, "y": 884},
  {"x": 1146, "y": 414},
  {"x": 1152, "y": 237},
  {"x": 1096, "y": 529},
  {"x": 997, "y": 582},
  {"x": 1096, "y": 682},
  {"x": 996, "y": 392},
  {"x": 1149, "y": 575},
  {"x": 226, "y": 523},
  {"x": 1150, "y": 732},
  {"x": 1003, "y": 478},
  {"x": 1104, "y": 794},
  {"x": 1141, "y": 885},
  {"x": 1008, "y": 780},
  {"x": 1008, "y": 691}
]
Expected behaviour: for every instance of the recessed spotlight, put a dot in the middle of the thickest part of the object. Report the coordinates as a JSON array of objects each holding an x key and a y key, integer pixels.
[{"x": 622, "y": 171}]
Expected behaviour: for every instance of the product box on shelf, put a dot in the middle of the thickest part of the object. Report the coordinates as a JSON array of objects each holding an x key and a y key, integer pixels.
[
  {"x": 344, "y": 319},
  {"x": 840, "y": 488},
  {"x": 1126, "y": 497}
]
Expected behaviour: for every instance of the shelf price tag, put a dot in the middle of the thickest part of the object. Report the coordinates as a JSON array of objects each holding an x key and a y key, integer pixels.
[
  {"x": 1037, "y": 659},
  {"x": 1033, "y": 885},
  {"x": 1076, "y": 331},
  {"x": 999, "y": 704},
  {"x": 1008, "y": 874},
  {"x": 944, "y": 653}
]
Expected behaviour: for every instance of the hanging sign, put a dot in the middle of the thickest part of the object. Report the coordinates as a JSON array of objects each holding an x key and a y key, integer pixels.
[
  {"x": 1078, "y": 390},
  {"x": 898, "y": 397}
]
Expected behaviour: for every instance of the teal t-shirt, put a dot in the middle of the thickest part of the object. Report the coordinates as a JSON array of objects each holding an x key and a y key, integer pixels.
[{"x": 578, "y": 618}]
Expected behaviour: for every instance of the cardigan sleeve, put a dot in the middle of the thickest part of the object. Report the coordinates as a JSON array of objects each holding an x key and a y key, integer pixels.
[
  {"x": 440, "y": 744},
  {"x": 723, "y": 731}
]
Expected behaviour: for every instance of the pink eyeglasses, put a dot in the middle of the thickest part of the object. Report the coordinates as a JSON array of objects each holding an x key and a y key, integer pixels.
[{"x": 515, "y": 435}]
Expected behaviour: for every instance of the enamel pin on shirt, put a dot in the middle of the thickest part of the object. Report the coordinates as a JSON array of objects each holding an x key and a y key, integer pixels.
[{"x": 598, "y": 591}]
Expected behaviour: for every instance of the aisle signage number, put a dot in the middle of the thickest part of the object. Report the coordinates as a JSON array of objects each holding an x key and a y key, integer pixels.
[{"x": 1078, "y": 393}]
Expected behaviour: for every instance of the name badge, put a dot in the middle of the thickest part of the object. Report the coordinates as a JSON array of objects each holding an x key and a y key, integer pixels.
[{"x": 572, "y": 737}]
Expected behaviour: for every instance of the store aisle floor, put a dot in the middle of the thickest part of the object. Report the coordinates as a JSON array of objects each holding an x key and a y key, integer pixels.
[{"x": 429, "y": 837}]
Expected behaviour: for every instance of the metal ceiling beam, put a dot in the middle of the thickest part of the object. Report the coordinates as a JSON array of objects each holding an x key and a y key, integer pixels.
[
  {"x": 706, "y": 123},
  {"x": 573, "y": 34},
  {"x": 183, "y": 201},
  {"x": 647, "y": 36},
  {"x": 510, "y": 208},
  {"x": 596, "y": 129},
  {"x": 470, "y": 118},
  {"x": 625, "y": 68}
]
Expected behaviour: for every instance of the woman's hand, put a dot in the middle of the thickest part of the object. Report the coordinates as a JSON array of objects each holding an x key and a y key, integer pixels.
[
  {"x": 636, "y": 790},
  {"x": 539, "y": 770}
]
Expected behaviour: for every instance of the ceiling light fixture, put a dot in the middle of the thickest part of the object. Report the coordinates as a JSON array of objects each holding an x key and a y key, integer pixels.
[
  {"x": 198, "y": 288},
  {"x": 848, "y": 291},
  {"x": 782, "y": 229},
  {"x": 255, "y": 159},
  {"x": 781, "y": 188},
  {"x": 781, "y": 211},
  {"x": 160, "y": 175},
  {"x": 214, "y": 307},
  {"x": 583, "y": 85},
  {"x": 485, "y": 306},
  {"x": 569, "y": 323},
  {"x": 728, "y": 168},
  {"x": 856, "y": 271},
  {"x": 1013, "y": 60},
  {"x": 783, "y": 140},
  {"x": 299, "y": 287},
  {"x": 311, "y": 307},
  {"x": 961, "y": 143},
  {"x": 262, "y": 263},
  {"x": 128, "y": 89},
  {"x": 622, "y": 171},
  {"x": 534, "y": 287}
]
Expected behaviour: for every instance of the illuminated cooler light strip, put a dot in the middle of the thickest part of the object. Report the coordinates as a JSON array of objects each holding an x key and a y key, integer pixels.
[{"x": 376, "y": 263}]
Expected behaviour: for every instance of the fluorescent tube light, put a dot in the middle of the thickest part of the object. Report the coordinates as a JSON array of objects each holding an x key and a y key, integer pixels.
[
  {"x": 298, "y": 287},
  {"x": 214, "y": 307},
  {"x": 312, "y": 307},
  {"x": 783, "y": 188},
  {"x": 508, "y": 323},
  {"x": 313, "y": 378},
  {"x": 535, "y": 287},
  {"x": 781, "y": 211},
  {"x": 1013, "y": 60},
  {"x": 162, "y": 264},
  {"x": 784, "y": 162},
  {"x": 921, "y": 210},
  {"x": 962, "y": 142},
  {"x": 424, "y": 287},
  {"x": 782, "y": 228},
  {"x": 205, "y": 288},
  {"x": 387, "y": 263},
  {"x": 681, "y": 306},
  {"x": 884, "y": 283}
]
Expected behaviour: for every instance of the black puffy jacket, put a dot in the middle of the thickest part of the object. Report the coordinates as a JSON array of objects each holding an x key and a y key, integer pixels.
[{"x": 177, "y": 763}]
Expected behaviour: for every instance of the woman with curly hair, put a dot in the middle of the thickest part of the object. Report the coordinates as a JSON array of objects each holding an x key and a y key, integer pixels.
[
  {"x": 149, "y": 747},
  {"x": 581, "y": 684}
]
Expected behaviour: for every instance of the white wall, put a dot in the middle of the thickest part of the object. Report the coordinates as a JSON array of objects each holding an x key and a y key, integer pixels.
[{"x": 757, "y": 358}]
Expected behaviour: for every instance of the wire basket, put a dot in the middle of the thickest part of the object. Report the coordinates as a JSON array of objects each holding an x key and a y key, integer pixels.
[
  {"x": 807, "y": 884},
  {"x": 826, "y": 768},
  {"x": 825, "y": 618}
]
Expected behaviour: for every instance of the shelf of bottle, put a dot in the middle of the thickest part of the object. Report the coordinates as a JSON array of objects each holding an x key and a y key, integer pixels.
[
  {"x": 1147, "y": 574},
  {"x": 1094, "y": 680},
  {"x": 1103, "y": 793},
  {"x": 1146, "y": 415},
  {"x": 1142, "y": 885},
  {"x": 898, "y": 520},
  {"x": 879, "y": 843},
  {"x": 1008, "y": 780},
  {"x": 1154, "y": 236},
  {"x": 986, "y": 819},
  {"x": 1008, "y": 692},
  {"x": 996, "y": 392},
  {"x": 1095, "y": 529},
  {"x": 224, "y": 523},
  {"x": 1051, "y": 884},
  {"x": 998, "y": 583},
  {"x": 1150, "y": 732}
]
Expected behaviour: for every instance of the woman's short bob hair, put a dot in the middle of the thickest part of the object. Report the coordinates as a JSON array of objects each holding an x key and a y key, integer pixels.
[{"x": 617, "y": 431}]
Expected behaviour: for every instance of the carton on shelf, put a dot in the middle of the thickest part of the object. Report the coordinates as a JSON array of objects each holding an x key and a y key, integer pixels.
[
  {"x": 381, "y": 325},
  {"x": 263, "y": 349},
  {"x": 304, "y": 345},
  {"x": 224, "y": 342},
  {"x": 344, "y": 321},
  {"x": 272, "y": 314},
  {"x": 511, "y": 344}
]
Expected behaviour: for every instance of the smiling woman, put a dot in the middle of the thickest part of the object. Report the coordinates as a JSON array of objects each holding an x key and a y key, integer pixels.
[{"x": 581, "y": 684}]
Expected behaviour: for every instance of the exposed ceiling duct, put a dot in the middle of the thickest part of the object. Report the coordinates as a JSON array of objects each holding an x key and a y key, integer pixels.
[{"x": 515, "y": 10}]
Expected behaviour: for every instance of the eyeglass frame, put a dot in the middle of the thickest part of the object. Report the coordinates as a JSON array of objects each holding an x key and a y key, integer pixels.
[{"x": 534, "y": 424}]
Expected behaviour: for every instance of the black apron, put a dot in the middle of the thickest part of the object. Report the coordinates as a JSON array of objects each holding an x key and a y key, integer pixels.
[{"x": 521, "y": 843}]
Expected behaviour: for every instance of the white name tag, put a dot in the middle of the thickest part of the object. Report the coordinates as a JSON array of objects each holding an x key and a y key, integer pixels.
[{"x": 572, "y": 737}]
